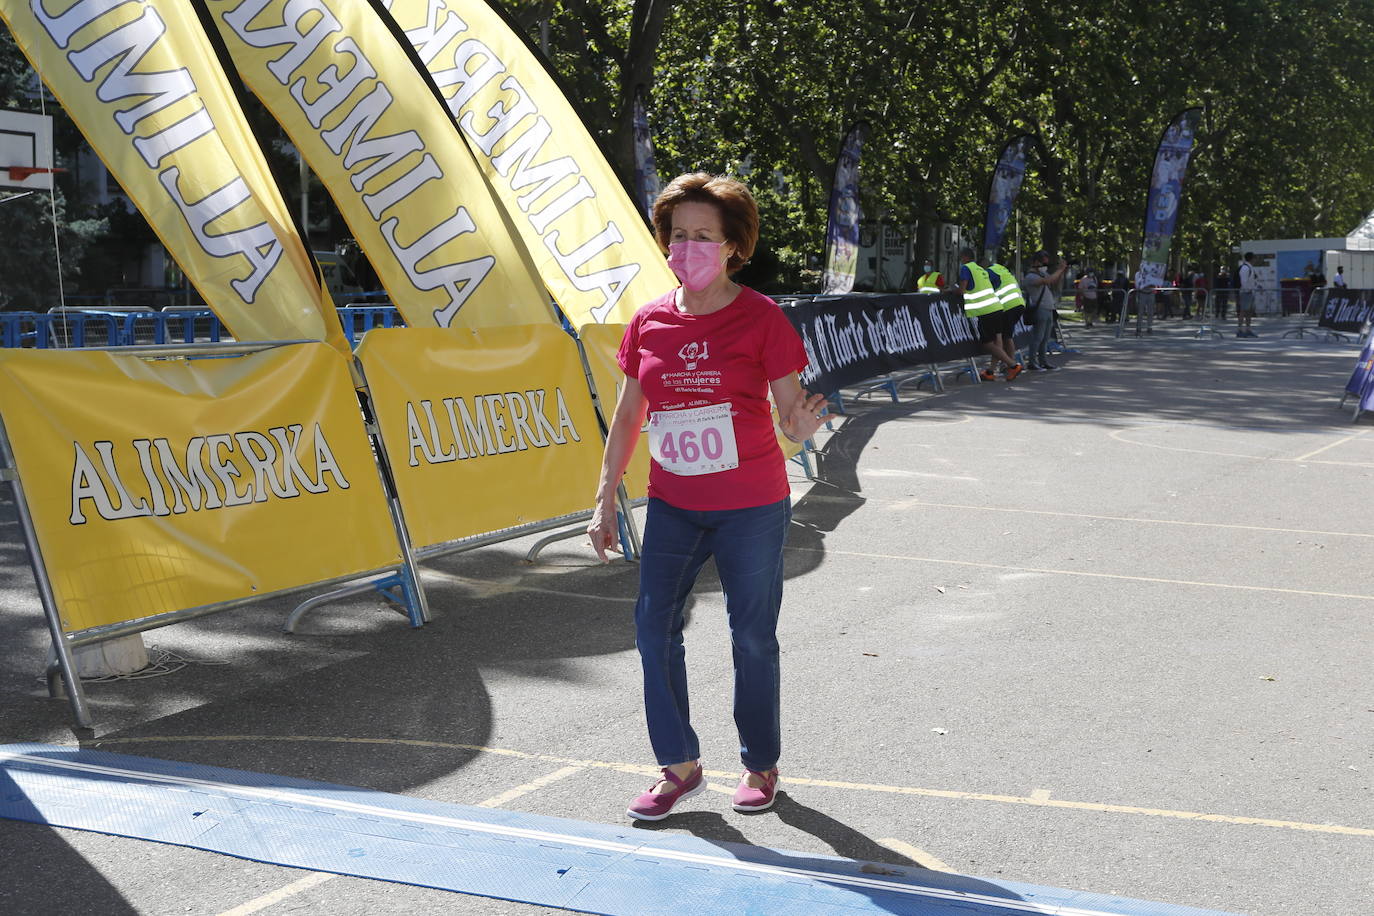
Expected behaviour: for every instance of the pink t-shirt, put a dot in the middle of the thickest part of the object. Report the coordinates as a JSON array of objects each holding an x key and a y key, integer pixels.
[{"x": 730, "y": 356}]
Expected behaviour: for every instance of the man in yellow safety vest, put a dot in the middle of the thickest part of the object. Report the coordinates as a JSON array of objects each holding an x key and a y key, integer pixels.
[
  {"x": 930, "y": 281},
  {"x": 1013, "y": 307},
  {"x": 984, "y": 311}
]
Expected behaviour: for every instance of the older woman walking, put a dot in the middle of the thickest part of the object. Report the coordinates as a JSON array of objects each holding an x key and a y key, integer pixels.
[{"x": 700, "y": 361}]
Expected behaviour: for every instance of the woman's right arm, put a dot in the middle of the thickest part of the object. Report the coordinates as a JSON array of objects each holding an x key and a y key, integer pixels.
[{"x": 620, "y": 446}]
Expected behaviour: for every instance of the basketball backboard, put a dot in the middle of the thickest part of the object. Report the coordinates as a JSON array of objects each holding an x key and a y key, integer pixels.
[{"x": 25, "y": 144}]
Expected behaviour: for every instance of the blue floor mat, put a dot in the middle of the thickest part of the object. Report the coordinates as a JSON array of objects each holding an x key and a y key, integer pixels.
[{"x": 595, "y": 868}]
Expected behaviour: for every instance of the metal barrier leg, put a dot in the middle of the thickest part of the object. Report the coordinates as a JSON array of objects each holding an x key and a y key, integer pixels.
[
  {"x": 631, "y": 533},
  {"x": 305, "y": 607},
  {"x": 61, "y": 652},
  {"x": 539, "y": 545}
]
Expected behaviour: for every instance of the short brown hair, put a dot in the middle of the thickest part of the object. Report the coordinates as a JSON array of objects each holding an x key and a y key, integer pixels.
[{"x": 739, "y": 215}]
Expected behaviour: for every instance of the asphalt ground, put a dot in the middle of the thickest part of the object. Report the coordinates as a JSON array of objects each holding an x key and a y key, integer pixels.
[{"x": 1109, "y": 628}]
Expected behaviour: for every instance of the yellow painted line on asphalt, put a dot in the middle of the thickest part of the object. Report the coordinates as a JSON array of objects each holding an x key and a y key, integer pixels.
[
  {"x": 914, "y": 853},
  {"x": 1332, "y": 445},
  {"x": 1040, "y": 795},
  {"x": 911, "y": 503},
  {"x": 295, "y": 887},
  {"x": 789, "y": 780},
  {"x": 315, "y": 879},
  {"x": 1118, "y": 435},
  {"x": 1076, "y": 572},
  {"x": 533, "y": 785}
]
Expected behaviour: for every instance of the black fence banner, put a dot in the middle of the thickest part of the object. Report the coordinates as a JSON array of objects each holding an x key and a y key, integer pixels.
[
  {"x": 850, "y": 339},
  {"x": 1347, "y": 310}
]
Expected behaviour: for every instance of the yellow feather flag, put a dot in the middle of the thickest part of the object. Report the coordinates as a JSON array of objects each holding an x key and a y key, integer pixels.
[
  {"x": 142, "y": 82},
  {"x": 350, "y": 96},
  {"x": 590, "y": 243}
]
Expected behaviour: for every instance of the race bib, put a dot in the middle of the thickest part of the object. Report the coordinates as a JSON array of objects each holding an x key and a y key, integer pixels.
[{"x": 695, "y": 441}]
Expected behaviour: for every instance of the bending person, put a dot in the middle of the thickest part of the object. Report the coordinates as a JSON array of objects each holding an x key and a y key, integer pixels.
[{"x": 701, "y": 361}]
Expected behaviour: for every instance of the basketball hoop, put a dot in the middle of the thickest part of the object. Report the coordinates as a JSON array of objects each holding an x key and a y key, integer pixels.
[{"x": 22, "y": 172}]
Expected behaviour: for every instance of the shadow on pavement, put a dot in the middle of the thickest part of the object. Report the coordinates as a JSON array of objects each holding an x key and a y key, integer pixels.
[
  {"x": 847, "y": 842},
  {"x": 55, "y": 878}
]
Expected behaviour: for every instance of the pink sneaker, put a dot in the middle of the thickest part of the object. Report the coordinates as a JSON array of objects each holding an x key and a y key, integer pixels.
[
  {"x": 747, "y": 798},
  {"x": 653, "y": 806}
]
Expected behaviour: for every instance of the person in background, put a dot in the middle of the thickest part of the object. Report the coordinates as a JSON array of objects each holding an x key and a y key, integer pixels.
[
  {"x": 1087, "y": 288},
  {"x": 1248, "y": 283},
  {"x": 701, "y": 361},
  {"x": 1121, "y": 285},
  {"x": 1338, "y": 281},
  {"x": 930, "y": 280},
  {"x": 1223, "y": 296},
  {"x": 984, "y": 311},
  {"x": 1198, "y": 281},
  {"x": 1013, "y": 307},
  {"x": 1041, "y": 289}
]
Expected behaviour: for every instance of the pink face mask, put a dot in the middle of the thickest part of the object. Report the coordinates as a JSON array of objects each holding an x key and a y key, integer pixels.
[{"x": 696, "y": 264}]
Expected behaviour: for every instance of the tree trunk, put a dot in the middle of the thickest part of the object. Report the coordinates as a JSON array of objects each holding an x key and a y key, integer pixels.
[{"x": 646, "y": 29}]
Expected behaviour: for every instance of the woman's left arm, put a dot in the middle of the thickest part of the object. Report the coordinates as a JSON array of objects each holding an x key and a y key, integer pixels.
[{"x": 799, "y": 411}]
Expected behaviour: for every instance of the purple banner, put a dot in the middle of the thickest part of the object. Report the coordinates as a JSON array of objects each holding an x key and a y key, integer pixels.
[
  {"x": 1360, "y": 384},
  {"x": 1166, "y": 192},
  {"x": 646, "y": 170},
  {"x": 842, "y": 228},
  {"x": 1006, "y": 184}
]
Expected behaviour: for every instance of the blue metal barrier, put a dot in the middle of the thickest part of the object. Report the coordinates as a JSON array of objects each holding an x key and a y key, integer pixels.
[
  {"x": 45, "y": 330},
  {"x": 357, "y": 320},
  {"x": 157, "y": 327},
  {"x": 65, "y": 328}
]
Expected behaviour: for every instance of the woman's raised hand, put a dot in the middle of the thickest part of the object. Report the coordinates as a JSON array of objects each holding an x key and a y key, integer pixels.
[{"x": 804, "y": 417}]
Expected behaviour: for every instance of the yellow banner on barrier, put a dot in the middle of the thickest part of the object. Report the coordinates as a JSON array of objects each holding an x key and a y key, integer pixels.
[
  {"x": 587, "y": 238},
  {"x": 601, "y": 342},
  {"x": 142, "y": 83},
  {"x": 157, "y": 486},
  {"x": 485, "y": 429},
  {"x": 348, "y": 93}
]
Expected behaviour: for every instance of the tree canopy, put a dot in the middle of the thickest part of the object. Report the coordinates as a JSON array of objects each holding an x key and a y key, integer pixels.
[{"x": 764, "y": 89}]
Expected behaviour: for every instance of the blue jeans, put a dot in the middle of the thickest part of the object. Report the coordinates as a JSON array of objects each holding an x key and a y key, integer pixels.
[
  {"x": 747, "y": 545},
  {"x": 1040, "y": 335}
]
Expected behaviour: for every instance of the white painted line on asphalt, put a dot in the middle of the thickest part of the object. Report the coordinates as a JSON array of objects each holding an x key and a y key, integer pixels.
[
  {"x": 1118, "y": 436},
  {"x": 894, "y": 472},
  {"x": 1040, "y": 795},
  {"x": 905, "y": 504},
  {"x": 1074, "y": 572},
  {"x": 318, "y": 878},
  {"x": 914, "y": 853}
]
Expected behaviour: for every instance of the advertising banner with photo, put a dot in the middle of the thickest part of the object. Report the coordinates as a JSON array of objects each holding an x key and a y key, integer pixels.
[
  {"x": 1166, "y": 194},
  {"x": 348, "y": 93},
  {"x": 1007, "y": 177},
  {"x": 842, "y": 225},
  {"x": 143, "y": 84},
  {"x": 1347, "y": 310},
  {"x": 587, "y": 237},
  {"x": 850, "y": 339},
  {"x": 158, "y": 486},
  {"x": 647, "y": 185},
  {"x": 486, "y": 428}
]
